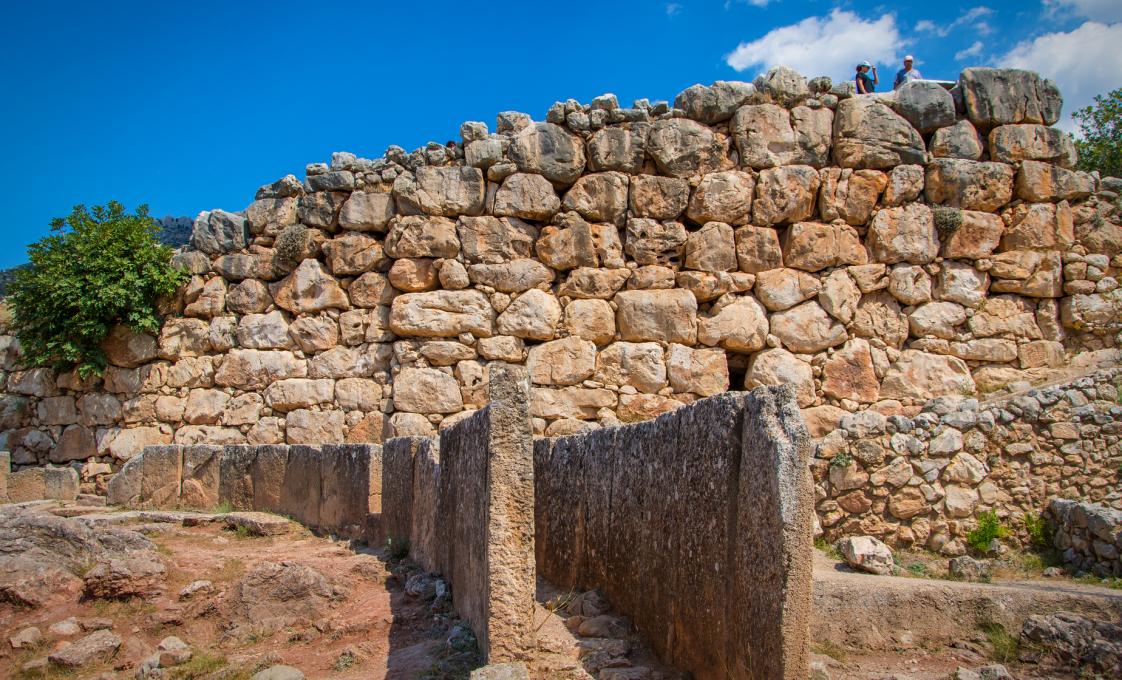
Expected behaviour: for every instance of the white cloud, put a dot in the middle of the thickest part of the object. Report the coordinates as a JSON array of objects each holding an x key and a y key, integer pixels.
[
  {"x": 754, "y": 3},
  {"x": 1096, "y": 10},
  {"x": 967, "y": 18},
  {"x": 672, "y": 8},
  {"x": 832, "y": 45},
  {"x": 1084, "y": 62},
  {"x": 972, "y": 51}
]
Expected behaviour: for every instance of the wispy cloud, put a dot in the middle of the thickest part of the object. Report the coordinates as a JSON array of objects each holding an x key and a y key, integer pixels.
[
  {"x": 672, "y": 9},
  {"x": 1106, "y": 11},
  {"x": 1084, "y": 62},
  {"x": 754, "y": 3},
  {"x": 971, "y": 16},
  {"x": 830, "y": 45},
  {"x": 970, "y": 52}
]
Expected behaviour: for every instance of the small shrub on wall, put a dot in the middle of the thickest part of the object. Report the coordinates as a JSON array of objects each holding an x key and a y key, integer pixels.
[{"x": 102, "y": 267}]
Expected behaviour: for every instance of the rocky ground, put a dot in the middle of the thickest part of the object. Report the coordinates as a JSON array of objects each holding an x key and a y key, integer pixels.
[{"x": 90, "y": 592}]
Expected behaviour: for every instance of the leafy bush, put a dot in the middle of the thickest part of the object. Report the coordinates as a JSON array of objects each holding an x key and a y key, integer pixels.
[
  {"x": 989, "y": 528},
  {"x": 103, "y": 267},
  {"x": 1038, "y": 530},
  {"x": 1100, "y": 126}
]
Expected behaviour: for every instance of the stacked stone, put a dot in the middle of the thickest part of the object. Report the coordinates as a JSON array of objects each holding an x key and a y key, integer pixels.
[
  {"x": 875, "y": 252},
  {"x": 921, "y": 480},
  {"x": 1090, "y": 536}
]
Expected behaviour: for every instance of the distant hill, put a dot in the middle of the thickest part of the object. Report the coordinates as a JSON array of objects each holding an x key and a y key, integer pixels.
[{"x": 174, "y": 232}]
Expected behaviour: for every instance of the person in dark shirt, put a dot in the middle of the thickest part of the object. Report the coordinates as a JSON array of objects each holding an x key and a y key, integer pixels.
[{"x": 866, "y": 84}]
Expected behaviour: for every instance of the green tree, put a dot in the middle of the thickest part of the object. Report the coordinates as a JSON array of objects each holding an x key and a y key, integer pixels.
[
  {"x": 1101, "y": 127},
  {"x": 102, "y": 267}
]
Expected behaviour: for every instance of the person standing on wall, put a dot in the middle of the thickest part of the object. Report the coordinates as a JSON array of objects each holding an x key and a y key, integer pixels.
[
  {"x": 907, "y": 73},
  {"x": 866, "y": 83}
]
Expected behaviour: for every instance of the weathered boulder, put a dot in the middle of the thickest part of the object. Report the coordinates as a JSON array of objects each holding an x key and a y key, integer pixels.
[
  {"x": 758, "y": 249},
  {"x": 561, "y": 362},
  {"x": 440, "y": 191},
  {"x": 309, "y": 289},
  {"x": 703, "y": 372},
  {"x": 217, "y": 231},
  {"x": 1014, "y": 143},
  {"x": 780, "y": 367},
  {"x": 648, "y": 241},
  {"x": 659, "y": 198},
  {"x": 639, "y": 365},
  {"x": 125, "y": 347},
  {"x": 976, "y": 236},
  {"x": 849, "y": 194},
  {"x": 251, "y": 369},
  {"x": 426, "y": 390},
  {"x": 738, "y": 324},
  {"x": 869, "y": 134},
  {"x": 618, "y": 148},
  {"x": 905, "y": 234},
  {"x": 722, "y": 197},
  {"x": 927, "y": 105},
  {"x": 367, "y": 212},
  {"x": 601, "y": 197},
  {"x": 781, "y": 289},
  {"x": 785, "y": 195},
  {"x": 969, "y": 185},
  {"x": 866, "y": 553},
  {"x": 812, "y": 246},
  {"x": 682, "y": 147},
  {"x": 849, "y": 373},
  {"x": 657, "y": 315},
  {"x": 1006, "y": 96},
  {"x": 767, "y": 135},
  {"x": 920, "y": 376},
  {"x": 442, "y": 313},
  {"x": 533, "y": 315},
  {"x": 714, "y": 103},
  {"x": 711, "y": 249},
  {"x": 807, "y": 328},
  {"x": 1038, "y": 181},
  {"x": 550, "y": 151},
  {"x": 526, "y": 195},
  {"x": 418, "y": 236},
  {"x": 510, "y": 277},
  {"x": 960, "y": 140}
]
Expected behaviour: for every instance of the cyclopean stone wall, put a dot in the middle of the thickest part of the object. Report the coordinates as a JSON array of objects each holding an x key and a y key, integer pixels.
[
  {"x": 1090, "y": 536},
  {"x": 922, "y": 480},
  {"x": 874, "y": 252}
]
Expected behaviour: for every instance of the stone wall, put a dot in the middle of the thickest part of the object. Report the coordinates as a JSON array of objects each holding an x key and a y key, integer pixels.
[
  {"x": 1090, "y": 536},
  {"x": 922, "y": 480},
  {"x": 874, "y": 252},
  {"x": 697, "y": 525},
  {"x": 330, "y": 487},
  {"x": 464, "y": 506}
]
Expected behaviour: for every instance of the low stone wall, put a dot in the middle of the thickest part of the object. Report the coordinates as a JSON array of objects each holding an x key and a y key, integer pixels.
[
  {"x": 35, "y": 483},
  {"x": 331, "y": 487},
  {"x": 697, "y": 525},
  {"x": 1090, "y": 536},
  {"x": 464, "y": 504},
  {"x": 923, "y": 480}
]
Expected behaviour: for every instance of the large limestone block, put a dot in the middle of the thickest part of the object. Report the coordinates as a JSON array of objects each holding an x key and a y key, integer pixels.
[
  {"x": 575, "y": 243},
  {"x": 639, "y": 365},
  {"x": 600, "y": 197},
  {"x": 209, "y": 301},
  {"x": 528, "y": 196},
  {"x": 248, "y": 297},
  {"x": 534, "y": 315},
  {"x": 659, "y": 198},
  {"x": 426, "y": 390},
  {"x": 722, "y": 197},
  {"x": 216, "y": 232},
  {"x": 593, "y": 320},
  {"x": 1039, "y": 226},
  {"x": 657, "y": 315},
  {"x": 849, "y": 374},
  {"x": 1028, "y": 273},
  {"x": 418, "y": 236},
  {"x": 839, "y": 295},
  {"x": 969, "y": 185},
  {"x": 960, "y": 140},
  {"x": 441, "y": 191},
  {"x": 493, "y": 240},
  {"x": 442, "y": 313},
  {"x": 618, "y": 148},
  {"x": 961, "y": 283},
  {"x": 714, "y": 103},
  {"x": 651, "y": 242},
  {"x": 938, "y": 319},
  {"x": 812, "y": 246},
  {"x": 1005, "y": 314},
  {"x": 548, "y": 150},
  {"x": 758, "y": 249},
  {"x": 736, "y": 324},
  {"x": 314, "y": 427},
  {"x": 920, "y": 376},
  {"x": 586, "y": 282},
  {"x": 562, "y": 362},
  {"x": 320, "y": 209},
  {"x": 264, "y": 331},
  {"x": 309, "y": 289},
  {"x": 767, "y": 135},
  {"x": 1014, "y": 143},
  {"x": 780, "y": 367},
  {"x": 127, "y": 348},
  {"x": 927, "y": 105},
  {"x": 75, "y": 443},
  {"x": 184, "y": 338},
  {"x": 781, "y": 289},
  {"x": 703, "y": 372},
  {"x": 711, "y": 248},
  {"x": 353, "y": 254},
  {"x": 783, "y": 86},
  {"x": 869, "y": 134},
  {"x": 849, "y": 194},
  {"x": 909, "y": 284},
  {"x": 975, "y": 238},
  {"x": 511, "y": 277},
  {"x": 682, "y": 147},
  {"x": 270, "y": 215},
  {"x": 807, "y": 328},
  {"x": 570, "y": 402},
  {"x": 367, "y": 212},
  {"x": 905, "y": 184},
  {"x": 1004, "y": 96},
  {"x": 294, "y": 393},
  {"x": 785, "y": 195},
  {"x": 251, "y": 369},
  {"x": 1102, "y": 312},
  {"x": 1038, "y": 182},
  {"x": 904, "y": 234}
]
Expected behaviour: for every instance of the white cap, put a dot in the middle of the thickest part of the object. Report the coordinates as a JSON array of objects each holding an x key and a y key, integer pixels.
[{"x": 909, "y": 58}]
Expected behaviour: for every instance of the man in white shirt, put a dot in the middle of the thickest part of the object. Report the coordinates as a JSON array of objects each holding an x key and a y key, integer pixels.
[{"x": 907, "y": 73}]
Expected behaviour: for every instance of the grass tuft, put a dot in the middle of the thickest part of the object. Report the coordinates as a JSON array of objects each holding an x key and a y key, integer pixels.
[{"x": 1004, "y": 646}]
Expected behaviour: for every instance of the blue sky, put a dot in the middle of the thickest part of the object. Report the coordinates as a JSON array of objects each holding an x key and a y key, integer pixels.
[{"x": 191, "y": 106}]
